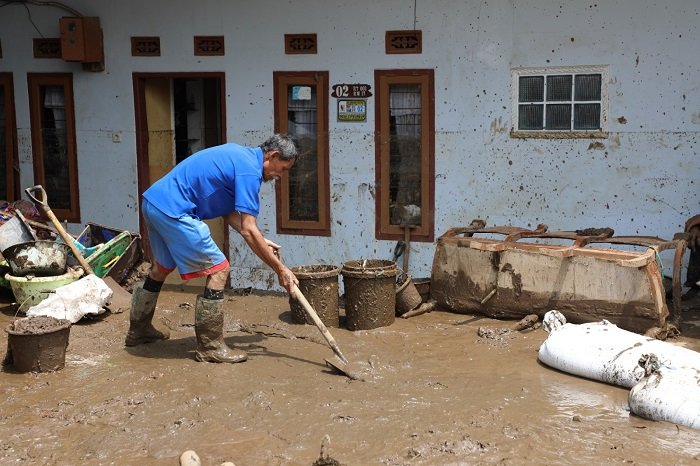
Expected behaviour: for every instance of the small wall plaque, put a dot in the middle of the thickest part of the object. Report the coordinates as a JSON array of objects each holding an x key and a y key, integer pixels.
[{"x": 351, "y": 90}]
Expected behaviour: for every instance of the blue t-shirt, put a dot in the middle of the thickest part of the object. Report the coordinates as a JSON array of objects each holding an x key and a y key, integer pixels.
[{"x": 211, "y": 183}]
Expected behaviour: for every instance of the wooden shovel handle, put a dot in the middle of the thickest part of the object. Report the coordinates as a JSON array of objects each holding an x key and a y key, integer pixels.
[
  {"x": 299, "y": 296},
  {"x": 44, "y": 206}
]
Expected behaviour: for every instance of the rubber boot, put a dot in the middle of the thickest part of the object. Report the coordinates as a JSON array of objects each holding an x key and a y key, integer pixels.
[
  {"x": 209, "y": 328},
  {"x": 141, "y": 330}
]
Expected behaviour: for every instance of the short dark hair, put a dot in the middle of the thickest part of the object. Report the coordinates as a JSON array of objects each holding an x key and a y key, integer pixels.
[{"x": 284, "y": 144}]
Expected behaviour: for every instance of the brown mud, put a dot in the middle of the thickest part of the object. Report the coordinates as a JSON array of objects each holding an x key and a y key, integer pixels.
[
  {"x": 439, "y": 389},
  {"x": 38, "y": 325}
]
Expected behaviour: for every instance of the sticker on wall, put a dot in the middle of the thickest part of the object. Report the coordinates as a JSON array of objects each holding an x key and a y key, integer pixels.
[
  {"x": 352, "y": 110},
  {"x": 301, "y": 92}
]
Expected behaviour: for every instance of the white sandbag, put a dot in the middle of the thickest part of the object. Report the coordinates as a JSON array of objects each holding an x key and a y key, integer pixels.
[
  {"x": 664, "y": 378},
  {"x": 602, "y": 351},
  {"x": 670, "y": 394},
  {"x": 72, "y": 302}
]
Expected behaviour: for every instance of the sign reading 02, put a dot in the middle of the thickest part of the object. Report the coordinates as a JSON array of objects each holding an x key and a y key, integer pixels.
[{"x": 352, "y": 91}]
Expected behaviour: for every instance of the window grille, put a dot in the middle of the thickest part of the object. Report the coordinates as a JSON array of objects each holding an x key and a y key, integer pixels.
[{"x": 560, "y": 102}]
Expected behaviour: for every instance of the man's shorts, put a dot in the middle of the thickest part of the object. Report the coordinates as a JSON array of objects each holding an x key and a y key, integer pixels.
[{"x": 183, "y": 242}]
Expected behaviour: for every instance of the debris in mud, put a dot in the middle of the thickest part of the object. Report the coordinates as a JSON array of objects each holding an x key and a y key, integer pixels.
[
  {"x": 456, "y": 448},
  {"x": 663, "y": 333},
  {"x": 324, "y": 458},
  {"x": 492, "y": 333},
  {"x": 529, "y": 321},
  {"x": 495, "y": 336},
  {"x": 422, "y": 309}
]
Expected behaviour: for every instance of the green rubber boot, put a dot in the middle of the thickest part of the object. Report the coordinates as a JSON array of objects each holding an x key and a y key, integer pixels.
[
  {"x": 209, "y": 328},
  {"x": 141, "y": 330}
]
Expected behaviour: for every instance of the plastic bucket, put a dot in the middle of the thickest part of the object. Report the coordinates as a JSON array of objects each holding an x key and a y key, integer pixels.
[
  {"x": 370, "y": 293},
  {"x": 38, "y": 344},
  {"x": 30, "y": 291},
  {"x": 319, "y": 285},
  {"x": 407, "y": 296}
]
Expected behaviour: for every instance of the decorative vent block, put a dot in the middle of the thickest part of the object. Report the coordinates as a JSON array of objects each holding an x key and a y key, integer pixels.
[
  {"x": 300, "y": 44},
  {"x": 47, "y": 48},
  {"x": 145, "y": 46},
  {"x": 208, "y": 45},
  {"x": 404, "y": 41}
]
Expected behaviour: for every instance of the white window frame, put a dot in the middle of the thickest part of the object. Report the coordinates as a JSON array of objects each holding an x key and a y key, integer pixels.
[{"x": 516, "y": 73}]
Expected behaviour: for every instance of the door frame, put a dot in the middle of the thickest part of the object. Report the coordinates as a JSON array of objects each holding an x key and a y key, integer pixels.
[{"x": 141, "y": 125}]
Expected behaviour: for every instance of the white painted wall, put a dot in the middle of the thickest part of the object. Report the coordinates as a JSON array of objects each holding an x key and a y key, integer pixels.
[{"x": 643, "y": 181}]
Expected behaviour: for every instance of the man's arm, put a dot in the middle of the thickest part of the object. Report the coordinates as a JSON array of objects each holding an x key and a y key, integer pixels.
[{"x": 246, "y": 226}]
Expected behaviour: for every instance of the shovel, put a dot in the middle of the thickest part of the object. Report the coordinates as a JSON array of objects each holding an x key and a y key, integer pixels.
[
  {"x": 44, "y": 207},
  {"x": 339, "y": 365}
]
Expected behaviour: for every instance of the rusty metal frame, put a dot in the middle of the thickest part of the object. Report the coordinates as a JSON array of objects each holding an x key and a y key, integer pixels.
[{"x": 647, "y": 259}]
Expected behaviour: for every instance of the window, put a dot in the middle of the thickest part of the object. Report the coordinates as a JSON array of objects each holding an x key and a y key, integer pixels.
[
  {"x": 9, "y": 184},
  {"x": 565, "y": 102},
  {"x": 53, "y": 142},
  {"x": 405, "y": 154},
  {"x": 303, "y": 194}
]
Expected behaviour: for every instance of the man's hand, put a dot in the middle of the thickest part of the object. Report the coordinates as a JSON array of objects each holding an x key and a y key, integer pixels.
[
  {"x": 287, "y": 279},
  {"x": 274, "y": 246}
]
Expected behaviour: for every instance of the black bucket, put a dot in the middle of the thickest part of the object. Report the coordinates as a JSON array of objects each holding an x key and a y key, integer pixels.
[
  {"x": 319, "y": 285},
  {"x": 370, "y": 293},
  {"x": 37, "y": 344}
]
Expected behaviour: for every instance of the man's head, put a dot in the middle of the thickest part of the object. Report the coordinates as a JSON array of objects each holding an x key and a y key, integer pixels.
[{"x": 279, "y": 155}]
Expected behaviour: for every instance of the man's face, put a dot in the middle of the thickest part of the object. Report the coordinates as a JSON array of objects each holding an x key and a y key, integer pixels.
[{"x": 273, "y": 166}]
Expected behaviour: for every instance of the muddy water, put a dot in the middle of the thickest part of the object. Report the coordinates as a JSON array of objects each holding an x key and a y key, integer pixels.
[{"x": 435, "y": 393}]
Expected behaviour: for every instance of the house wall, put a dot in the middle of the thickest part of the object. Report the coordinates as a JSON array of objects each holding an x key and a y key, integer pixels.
[{"x": 641, "y": 180}]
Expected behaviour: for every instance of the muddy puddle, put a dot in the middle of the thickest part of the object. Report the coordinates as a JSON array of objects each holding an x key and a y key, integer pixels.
[{"x": 438, "y": 389}]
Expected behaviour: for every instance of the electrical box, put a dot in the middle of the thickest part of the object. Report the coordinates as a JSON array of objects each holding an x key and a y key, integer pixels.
[{"x": 81, "y": 39}]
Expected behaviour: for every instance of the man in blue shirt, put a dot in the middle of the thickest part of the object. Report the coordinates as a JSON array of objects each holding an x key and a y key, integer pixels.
[{"x": 221, "y": 181}]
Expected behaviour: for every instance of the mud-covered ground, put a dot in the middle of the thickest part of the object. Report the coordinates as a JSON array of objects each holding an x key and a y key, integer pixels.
[{"x": 438, "y": 391}]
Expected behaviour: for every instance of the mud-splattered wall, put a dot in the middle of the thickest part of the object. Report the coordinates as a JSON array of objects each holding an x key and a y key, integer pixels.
[{"x": 642, "y": 179}]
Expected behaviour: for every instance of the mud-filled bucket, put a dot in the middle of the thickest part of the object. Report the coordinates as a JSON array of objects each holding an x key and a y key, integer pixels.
[
  {"x": 319, "y": 285},
  {"x": 45, "y": 258},
  {"x": 370, "y": 293},
  {"x": 37, "y": 344},
  {"x": 407, "y": 295}
]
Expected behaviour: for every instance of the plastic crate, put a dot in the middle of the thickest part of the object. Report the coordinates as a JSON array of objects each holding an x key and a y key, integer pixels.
[{"x": 119, "y": 253}]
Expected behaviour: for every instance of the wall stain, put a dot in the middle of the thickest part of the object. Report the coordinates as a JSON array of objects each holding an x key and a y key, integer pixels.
[
  {"x": 497, "y": 126},
  {"x": 596, "y": 146}
]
